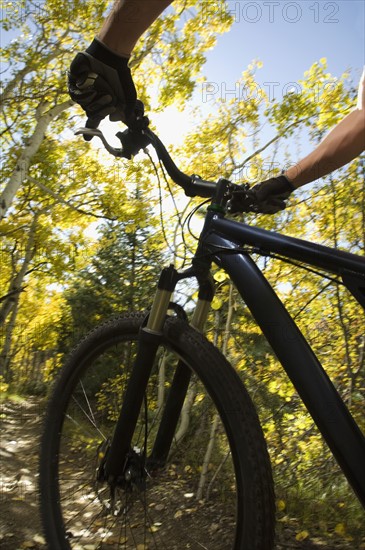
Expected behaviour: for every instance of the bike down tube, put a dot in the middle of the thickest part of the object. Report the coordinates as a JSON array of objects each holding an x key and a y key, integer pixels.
[{"x": 326, "y": 407}]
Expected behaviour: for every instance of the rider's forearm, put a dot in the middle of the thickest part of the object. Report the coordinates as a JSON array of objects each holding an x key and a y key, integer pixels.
[
  {"x": 344, "y": 143},
  {"x": 128, "y": 20}
]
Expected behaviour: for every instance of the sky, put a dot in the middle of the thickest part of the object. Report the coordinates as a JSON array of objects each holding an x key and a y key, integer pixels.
[{"x": 287, "y": 37}]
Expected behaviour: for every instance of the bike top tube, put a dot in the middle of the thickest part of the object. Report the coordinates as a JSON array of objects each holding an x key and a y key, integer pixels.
[{"x": 264, "y": 241}]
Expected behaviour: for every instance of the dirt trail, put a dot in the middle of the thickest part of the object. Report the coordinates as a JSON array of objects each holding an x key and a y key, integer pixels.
[
  {"x": 19, "y": 518},
  {"x": 20, "y": 527}
]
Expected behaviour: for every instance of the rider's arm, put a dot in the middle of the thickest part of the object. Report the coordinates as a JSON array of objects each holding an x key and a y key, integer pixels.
[
  {"x": 127, "y": 21},
  {"x": 344, "y": 143},
  {"x": 99, "y": 78}
]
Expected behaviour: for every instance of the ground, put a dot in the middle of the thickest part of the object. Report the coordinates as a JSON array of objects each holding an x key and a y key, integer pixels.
[
  {"x": 19, "y": 519},
  {"x": 20, "y": 527}
]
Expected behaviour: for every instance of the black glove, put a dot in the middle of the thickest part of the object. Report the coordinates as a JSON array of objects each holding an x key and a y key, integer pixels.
[
  {"x": 100, "y": 81},
  {"x": 269, "y": 196}
]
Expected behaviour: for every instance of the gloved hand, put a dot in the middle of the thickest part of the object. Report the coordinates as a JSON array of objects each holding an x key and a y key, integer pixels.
[
  {"x": 270, "y": 195},
  {"x": 100, "y": 81}
]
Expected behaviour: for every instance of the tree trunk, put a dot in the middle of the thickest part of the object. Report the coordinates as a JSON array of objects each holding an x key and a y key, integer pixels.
[
  {"x": 11, "y": 300},
  {"x": 5, "y": 353},
  {"x": 15, "y": 286},
  {"x": 207, "y": 457},
  {"x": 161, "y": 382},
  {"x": 185, "y": 413},
  {"x": 22, "y": 167}
]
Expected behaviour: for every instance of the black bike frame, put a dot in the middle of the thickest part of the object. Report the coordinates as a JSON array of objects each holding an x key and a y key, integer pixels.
[{"x": 222, "y": 239}]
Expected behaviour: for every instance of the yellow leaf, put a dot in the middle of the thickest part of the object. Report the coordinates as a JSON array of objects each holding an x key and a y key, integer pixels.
[
  {"x": 302, "y": 535},
  {"x": 340, "y": 529},
  {"x": 280, "y": 505},
  {"x": 39, "y": 539},
  {"x": 220, "y": 276},
  {"x": 216, "y": 303}
]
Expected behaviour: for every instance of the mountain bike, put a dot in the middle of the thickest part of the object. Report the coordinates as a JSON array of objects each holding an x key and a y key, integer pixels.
[{"x": 146, "y": 407}]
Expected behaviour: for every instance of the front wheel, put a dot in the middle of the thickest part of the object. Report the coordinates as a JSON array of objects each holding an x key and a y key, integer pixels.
[{"x": 213, "y": 492}]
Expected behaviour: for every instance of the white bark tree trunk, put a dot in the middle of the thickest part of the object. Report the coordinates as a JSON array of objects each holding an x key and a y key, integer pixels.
[
  {"x": 161, "y": 383},
  {"x": 185, "y": 413},
  {"x": 15, "y": 285},
  {"x": 22, "y": 167}
]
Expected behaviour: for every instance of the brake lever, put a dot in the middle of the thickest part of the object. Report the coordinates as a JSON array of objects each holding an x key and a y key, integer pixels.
[{"x": 95, "y": 132}]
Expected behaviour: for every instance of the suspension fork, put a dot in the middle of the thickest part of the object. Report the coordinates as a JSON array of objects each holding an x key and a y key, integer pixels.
[
  {"x": 149, "y": 339},
  {"x": 180, "y": 383}
]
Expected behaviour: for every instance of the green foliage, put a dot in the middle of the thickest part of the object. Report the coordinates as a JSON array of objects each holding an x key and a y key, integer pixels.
[
  {"x": 176, "y": 45},
  {"x": 118, "y": 278}
]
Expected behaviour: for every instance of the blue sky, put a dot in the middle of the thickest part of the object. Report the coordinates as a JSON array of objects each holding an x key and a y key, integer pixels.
[{"x": 288, "y": 36}]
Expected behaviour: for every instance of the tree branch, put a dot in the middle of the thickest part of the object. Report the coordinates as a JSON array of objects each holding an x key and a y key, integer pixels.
[
  {"x": 273, "y": 140},
  {"x": 65, "y": 202}
]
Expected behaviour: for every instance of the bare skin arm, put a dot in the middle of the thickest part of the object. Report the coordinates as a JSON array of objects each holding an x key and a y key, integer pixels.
[
  {"x": 344, "y": 143},
  {"x": 127, "y": 21}
]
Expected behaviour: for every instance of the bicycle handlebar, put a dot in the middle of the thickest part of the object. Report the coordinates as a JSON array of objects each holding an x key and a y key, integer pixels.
[
  {"x": 194, "y": 186},
  {"x": 133, "y": 142}
]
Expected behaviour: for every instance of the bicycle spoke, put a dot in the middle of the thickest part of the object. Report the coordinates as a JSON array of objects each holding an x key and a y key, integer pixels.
[
  {"x": 92, "y": 422},
  {"x": 88, "y": 402}
]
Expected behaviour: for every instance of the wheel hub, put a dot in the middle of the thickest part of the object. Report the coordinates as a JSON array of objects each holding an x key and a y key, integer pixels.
[{"x": 134, "y": 473}]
